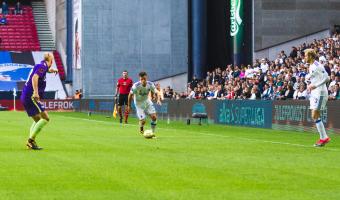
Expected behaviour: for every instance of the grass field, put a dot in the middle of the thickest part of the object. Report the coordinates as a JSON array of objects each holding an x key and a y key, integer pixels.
[{"x": 96, "y": 158}]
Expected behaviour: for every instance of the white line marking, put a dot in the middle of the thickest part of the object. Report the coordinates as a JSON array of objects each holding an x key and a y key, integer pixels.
[{"x": 215, "y": 135}]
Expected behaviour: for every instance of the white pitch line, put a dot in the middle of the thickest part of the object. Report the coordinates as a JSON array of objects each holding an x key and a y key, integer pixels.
[{"x": 216, "y": 135}]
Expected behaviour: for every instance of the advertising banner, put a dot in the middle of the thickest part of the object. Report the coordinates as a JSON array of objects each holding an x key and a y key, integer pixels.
[
  {"x": 245, "y": 113},
  {"x": 296, "y": 115},
  {"x": 77, "y": 33},
  {"x": 50, "y": 105}
]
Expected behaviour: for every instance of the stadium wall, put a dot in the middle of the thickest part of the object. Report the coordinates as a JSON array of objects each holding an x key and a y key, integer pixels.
[
  {"x": 280, "y": 115},
  {"x": 60, "y": 30},
  {"x": 277, "y": 21},
  {"x": 135, "y": 35},
  {"x": 272, "y": 52},
  {"x": 51, "y": 15},
  {"x": 178, "y": 82}
]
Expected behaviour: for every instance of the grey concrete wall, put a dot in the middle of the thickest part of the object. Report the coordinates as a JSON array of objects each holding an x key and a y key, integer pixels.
[
  {"x": 136, "y": 35},
  {"x": 277, "y": 21},
  {"x": 51, "y": 14},
  {"x": 177, "y": 83},
  {"x": 60, "y": 29},
  {"x": 272, "y": 52}
]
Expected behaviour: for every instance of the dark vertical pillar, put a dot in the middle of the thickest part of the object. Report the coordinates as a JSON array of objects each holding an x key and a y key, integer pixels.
[
  {"x": 198, "y": 33},
  {"x": 237, "y": 30},
  {"x": 69, "y": 39}
]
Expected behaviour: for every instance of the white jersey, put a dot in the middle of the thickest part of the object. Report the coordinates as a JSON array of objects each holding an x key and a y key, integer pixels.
[
  {"x": 318, "y": 77},
  {"x": 141, "y": 93},
  {"x": 141, "y": 98}
]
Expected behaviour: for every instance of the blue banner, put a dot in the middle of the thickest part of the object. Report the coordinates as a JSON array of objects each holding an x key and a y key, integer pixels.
[{"x": 245, "y": 113}]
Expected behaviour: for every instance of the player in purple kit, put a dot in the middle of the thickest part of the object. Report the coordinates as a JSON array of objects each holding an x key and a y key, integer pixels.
[{"x": 30, "y": 98}]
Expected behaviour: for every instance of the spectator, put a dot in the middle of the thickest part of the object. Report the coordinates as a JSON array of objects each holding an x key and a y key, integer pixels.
[
  {"x": 168, "y": 93},
  {"x": 293, "y": 54},
  {"x": 282, "y": 78},
  {"x": 183, "y": 95},
  {"x": 219, "y": 94},
  {"x": 301, "y": 93},
  {"x": 253, "y": 94},
  {"x": 289, "y": 92},
  {"x": 191, "y": 93},
  {"x": 18, "y": 8},
  {"x": 264, "y": 65},
  {"x": 77, "y": 95},
  {"x": 249, "y": 73},
  {"x": 333, "y": 81},
  {"x": 194, "y": 82},
  {"x": 334, "y": 94},
  {"x": 246, "y": 93},
  {"x": 211, "y": 92},
  {"x": 236, "y": 73},
  {"x": 280, "y": 93},
  {"x": 3, "y": 20},
  {"x": 230, "y": 94},
  {"x": 4, "y": 8},
  {"x": 262, "y": 79},
  {"x": 161, "y": 92},
  {"x": 267, "y": 92}
]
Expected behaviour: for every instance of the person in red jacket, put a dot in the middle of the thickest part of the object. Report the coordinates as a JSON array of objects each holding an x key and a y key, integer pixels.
[{"x": 123, "y": 88}]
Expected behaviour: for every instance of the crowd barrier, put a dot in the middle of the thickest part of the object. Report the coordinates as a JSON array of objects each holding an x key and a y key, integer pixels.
[
  {"x": 50, "y": 105},
  {"x": 282, "y": 115}
]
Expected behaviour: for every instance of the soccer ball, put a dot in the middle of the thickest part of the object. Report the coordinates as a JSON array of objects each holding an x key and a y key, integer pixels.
[{"x": 148, "y": 134}]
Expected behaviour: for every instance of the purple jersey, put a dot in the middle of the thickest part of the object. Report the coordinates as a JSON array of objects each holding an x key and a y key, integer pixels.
[{"x": 41, "y": 70}]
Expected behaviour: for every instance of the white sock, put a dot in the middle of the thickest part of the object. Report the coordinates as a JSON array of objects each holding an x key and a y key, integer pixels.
[{"x": 321, "y": 129}]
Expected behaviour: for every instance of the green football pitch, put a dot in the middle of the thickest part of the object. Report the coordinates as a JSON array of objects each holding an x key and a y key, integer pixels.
[{"x": 97, "y": 158}]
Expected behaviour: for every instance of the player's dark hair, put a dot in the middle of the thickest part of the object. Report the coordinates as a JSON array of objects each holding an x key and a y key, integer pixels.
[
  {"x": 125, "y": 71},
  {"x": 142, "y": 74}
]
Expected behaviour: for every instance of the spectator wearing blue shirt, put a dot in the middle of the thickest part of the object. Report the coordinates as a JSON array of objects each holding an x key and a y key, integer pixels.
[
  {"x": 267, "y": 92},
  {"x": 4, "y": 8},
  {"x": 3, "y": 20}
]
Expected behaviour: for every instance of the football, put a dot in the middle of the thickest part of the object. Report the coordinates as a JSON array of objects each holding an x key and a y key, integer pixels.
[{"x": 148, "y": 134}]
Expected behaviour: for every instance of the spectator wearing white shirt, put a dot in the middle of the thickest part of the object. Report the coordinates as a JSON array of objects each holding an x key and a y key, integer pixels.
[
  {"x": 301, "y": 93},
  {"x": 191, "y": 93},
  {"x": 264, "y": 65},
  {"x": 333, "y": 81}
]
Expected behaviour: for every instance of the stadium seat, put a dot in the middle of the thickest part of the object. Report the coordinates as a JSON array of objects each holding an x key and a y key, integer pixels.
[
  {"x": 59, "y": 64},
  {"x": 20, "y": 30}
]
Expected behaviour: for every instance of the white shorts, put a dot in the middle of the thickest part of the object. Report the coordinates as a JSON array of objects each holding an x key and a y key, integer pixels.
[
  {"x": 141, "y": 111},
  {"x": 318, "y": 102}
]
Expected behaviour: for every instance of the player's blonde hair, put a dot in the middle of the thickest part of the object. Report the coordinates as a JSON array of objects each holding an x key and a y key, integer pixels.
[
  {"x": 311, "y": 55},
  {"x": 48, "y": 56}
]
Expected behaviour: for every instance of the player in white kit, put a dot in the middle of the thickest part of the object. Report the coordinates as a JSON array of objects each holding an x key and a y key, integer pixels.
[
  {"x": 318, "y": 78},
  {"x": 140, "y": 93}
]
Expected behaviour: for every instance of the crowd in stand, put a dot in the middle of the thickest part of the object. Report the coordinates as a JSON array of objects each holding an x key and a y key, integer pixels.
[
  {"x": 279, "y": 79},
  {"x": 5, "y": 9}
]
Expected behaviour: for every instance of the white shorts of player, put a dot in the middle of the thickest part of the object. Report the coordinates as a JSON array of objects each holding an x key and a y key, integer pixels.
[
  {"x": 318, "y": 102},
  {"x": 146, "y": 108}
]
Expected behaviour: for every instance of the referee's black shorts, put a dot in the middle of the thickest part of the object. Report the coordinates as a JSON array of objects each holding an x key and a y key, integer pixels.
[{"x": 123, "y": 99}]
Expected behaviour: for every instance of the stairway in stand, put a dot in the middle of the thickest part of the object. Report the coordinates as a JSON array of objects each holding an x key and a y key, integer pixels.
[{"x": 41, "y": 20}]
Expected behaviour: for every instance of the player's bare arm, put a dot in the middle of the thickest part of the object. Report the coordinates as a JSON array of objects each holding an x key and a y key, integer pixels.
[
  {"x": 51, "y": 70},
  {"x": 158, "y": 96},
  {"x": 35, "y": 80},
  {"x": 129, "y": 102}
]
